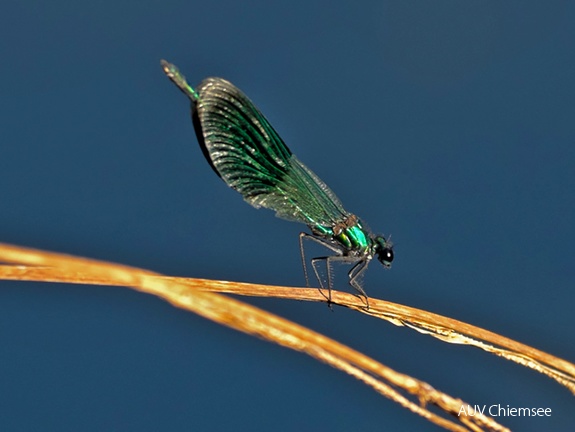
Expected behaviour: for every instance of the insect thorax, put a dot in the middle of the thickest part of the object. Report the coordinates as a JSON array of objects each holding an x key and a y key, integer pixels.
[{"x": 349, "y": 234}]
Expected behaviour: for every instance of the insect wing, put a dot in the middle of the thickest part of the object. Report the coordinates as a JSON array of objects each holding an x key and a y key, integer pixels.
[{"x": 248, "y": 154}]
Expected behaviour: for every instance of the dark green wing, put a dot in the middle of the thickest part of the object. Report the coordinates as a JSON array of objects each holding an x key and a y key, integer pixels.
[{"x": 248, "y": 154}]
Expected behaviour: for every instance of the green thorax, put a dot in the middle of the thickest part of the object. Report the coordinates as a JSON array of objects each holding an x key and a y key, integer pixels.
[
  {"x": 349, "y": 233},
  {"x": 354, "y": 238}
]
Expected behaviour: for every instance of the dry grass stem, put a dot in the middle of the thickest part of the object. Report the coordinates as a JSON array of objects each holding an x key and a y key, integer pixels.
[{"x": 194, "y": 295}]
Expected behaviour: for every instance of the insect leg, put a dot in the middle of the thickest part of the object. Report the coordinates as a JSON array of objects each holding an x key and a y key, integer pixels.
[
  {"x": 359, "y": 266},
  {"x": 328, "y": 260},
  {"x": 314, "y": 261},
  {"x": 302, "y": 235},
  {"x": 355, "y": 272}
]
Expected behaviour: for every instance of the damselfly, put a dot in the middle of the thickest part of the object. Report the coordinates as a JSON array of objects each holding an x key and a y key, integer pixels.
[{"x": 248, "y": 154}]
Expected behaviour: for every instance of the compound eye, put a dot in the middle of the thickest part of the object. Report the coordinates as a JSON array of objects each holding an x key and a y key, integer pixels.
[{"x": 386, "y": 257}]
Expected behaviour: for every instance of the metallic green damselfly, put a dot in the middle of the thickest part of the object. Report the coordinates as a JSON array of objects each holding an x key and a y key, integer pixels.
[{"x": 248, "y": 154}]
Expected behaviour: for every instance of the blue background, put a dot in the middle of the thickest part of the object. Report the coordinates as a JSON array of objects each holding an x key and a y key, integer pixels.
[{"x": 448, "y": 124}]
